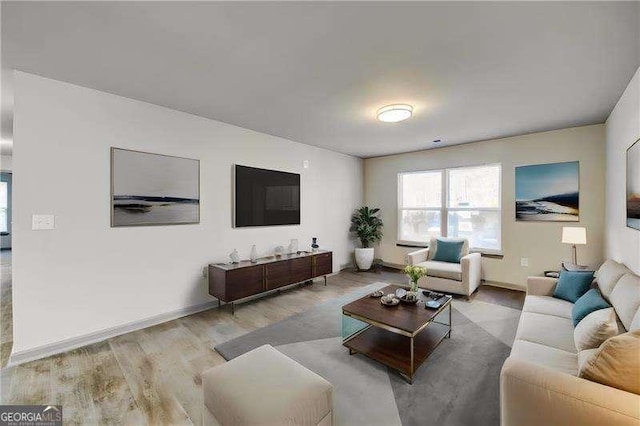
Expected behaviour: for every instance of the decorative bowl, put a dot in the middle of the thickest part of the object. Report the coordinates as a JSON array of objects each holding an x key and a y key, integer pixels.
[
  {"x": 389, "y": 300},
  {"x": 378, "y": 293},
  {"x": 401, "y": 292},
  {"x": 408, "y": 301}
]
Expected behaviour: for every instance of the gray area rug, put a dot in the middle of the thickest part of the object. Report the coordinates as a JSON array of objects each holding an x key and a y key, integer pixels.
[{"x": 457, "y": 385}]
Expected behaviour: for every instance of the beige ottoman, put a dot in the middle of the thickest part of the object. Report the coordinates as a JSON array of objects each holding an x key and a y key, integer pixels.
[{"x": 265, "y": 387}]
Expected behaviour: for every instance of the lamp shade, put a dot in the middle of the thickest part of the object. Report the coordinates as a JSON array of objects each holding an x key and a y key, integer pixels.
[{"x": 574, "y": 235}]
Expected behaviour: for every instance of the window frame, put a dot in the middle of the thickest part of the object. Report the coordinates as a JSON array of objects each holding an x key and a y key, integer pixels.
[{"x": 444, "y": 208}]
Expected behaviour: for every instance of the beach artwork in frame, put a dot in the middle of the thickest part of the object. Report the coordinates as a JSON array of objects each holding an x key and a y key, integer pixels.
[
  {"x": 153, "y": 189},
  {"x": 633, "y": 185},
  {"x": 548, "y": 192}
]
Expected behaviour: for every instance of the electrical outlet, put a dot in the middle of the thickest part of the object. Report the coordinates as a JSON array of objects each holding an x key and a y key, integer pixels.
[
  {"x": 524, "y": 261},
  {"x": 42, "y": 221}
]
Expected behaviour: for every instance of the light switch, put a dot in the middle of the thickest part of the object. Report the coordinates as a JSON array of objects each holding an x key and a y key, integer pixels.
[
  {"x": 524, "y": 261},
  {"x": 41, "y": 222},
  {"x": 305, "y": 164}
]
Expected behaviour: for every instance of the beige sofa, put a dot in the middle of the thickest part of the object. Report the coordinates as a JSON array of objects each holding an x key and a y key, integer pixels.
[
  {"x": 539, "y": 384},
  {"x": 460, "y": 278}
]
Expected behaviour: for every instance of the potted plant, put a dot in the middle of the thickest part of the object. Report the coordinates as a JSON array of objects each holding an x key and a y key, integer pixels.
[
  {"x": 366, "y": 225},
  {"x": 415, "y": 273}
]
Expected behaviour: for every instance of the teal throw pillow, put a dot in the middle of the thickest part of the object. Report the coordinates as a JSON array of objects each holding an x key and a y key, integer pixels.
[
  {"x": 572, "y": 285},
  {"x": 589, "y": 302},
  {"x": 448, "y": 251}
]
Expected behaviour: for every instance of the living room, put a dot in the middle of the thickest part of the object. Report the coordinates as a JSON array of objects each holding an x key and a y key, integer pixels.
[{"x": 494, "y": 146}]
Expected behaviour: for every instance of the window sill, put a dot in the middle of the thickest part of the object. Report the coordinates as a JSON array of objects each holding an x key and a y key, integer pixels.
[{"x": 487, "y": 254}]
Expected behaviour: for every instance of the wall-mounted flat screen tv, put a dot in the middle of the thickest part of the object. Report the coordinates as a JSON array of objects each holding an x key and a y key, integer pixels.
[{"x": 266, "y": 197}]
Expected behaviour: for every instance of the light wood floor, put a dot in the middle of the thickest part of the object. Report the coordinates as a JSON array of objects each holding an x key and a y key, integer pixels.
[{"x": 152, "y": 376}]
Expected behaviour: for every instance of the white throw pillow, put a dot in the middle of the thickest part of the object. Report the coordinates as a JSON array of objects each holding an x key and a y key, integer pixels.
[{"x": 595, "y": 328}]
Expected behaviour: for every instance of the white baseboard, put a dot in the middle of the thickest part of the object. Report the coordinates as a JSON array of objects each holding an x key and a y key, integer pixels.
[
  {"x": 504, "y": 285},
  {"x": 98, "y": 336},
  {"x": 393, "y": 265}
]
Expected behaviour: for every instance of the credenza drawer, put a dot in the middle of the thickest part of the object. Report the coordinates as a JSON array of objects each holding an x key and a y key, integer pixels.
[
  {"x": 244, "y": 282},
  {"x": 323, "y": 264}
]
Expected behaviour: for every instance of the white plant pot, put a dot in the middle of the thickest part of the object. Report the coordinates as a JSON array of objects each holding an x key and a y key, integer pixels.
[{"x": 364, "y": 258}]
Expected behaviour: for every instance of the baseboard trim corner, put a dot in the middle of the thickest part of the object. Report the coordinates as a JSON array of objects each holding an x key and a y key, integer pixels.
[{"x": 39, "y": 352}]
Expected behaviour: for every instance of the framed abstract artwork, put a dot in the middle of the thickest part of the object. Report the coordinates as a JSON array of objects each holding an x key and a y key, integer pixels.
[
  {"x": 153, "y": 189},
  {"x": 548, "y": 192},
  {"x": 633, "y": 186}
]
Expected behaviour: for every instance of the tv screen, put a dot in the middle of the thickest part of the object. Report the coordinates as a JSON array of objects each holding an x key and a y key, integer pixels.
[{"x": 266, "y": 197}]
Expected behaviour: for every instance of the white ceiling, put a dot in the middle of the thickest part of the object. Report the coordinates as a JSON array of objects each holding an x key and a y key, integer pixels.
[{"x": 316, "y": 72}]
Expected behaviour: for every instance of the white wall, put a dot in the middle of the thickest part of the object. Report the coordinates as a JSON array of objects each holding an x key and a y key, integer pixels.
[
  {"x": 537, "y": 241},
  {"x": 84, "y": 276},
  {"x": 623, "y": 128},
  {"x": 6, "y": 163}
]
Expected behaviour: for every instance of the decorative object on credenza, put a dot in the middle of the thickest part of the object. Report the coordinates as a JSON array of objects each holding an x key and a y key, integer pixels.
[
  {"x": 254, "y": 254},
  {"x": 366, "y": 226},
  {"x": 278, "y": 251},
  {"x": 314, "y": 244},
  {"x": 293, "y": 246},
  {"x": 548, "y": 192},
  {"x": 633, "y": 185},
  {"x": 415, "y": 273},
  {"x": 574, "y": 235},
  {"x": 234, "y": 256},
  {"x": 153, "y": 189}
]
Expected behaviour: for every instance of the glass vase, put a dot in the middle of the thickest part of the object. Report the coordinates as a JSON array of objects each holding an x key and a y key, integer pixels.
[{"x": 414, "y": 286}]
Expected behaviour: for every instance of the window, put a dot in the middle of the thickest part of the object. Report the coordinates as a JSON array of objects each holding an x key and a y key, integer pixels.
[{"x": 462, "y": 202}]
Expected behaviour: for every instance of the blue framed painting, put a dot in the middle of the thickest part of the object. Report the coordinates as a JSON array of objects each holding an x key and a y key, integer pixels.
[
  {"x": 548, "y": 192},
  {"x": 633, "y": 186}
]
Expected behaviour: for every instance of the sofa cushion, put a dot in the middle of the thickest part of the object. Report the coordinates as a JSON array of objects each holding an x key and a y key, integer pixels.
[
  {"x": 625, "y": 298},
  {"x": 608, "y": 275},
  {"x": 448, "y": 250},
  {"x": 595, "y": 328},
  {"x": 548, "y": 330},
  {"x": 583, "y": 356},
  {"x": 548, "y": 305},
  {"x": 451, "y": 271},
  {"x": 616, "y": 363},
  {"x": 547, "y": 356},
  {"x": 433, "y": 247},
  {"x": 635, "y": 323},
  {"x": 572, "y": 285},
  {"x": 589, "y": 302}
]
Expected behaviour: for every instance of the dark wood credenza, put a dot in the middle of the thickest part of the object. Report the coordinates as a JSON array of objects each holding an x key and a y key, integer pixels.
[{"x": 231, "y": 282}]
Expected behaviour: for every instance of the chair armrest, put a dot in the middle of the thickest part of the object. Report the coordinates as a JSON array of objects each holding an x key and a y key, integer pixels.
[
  {"x": 541, "y": 286},
  {"x": 531, "y": 394},
  {"x": 471, "y": 271},
  {"x": 418, "y": 256}
]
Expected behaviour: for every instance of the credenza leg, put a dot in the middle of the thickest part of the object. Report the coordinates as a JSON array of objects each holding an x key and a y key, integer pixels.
[
  {"x": 233, "y": 309},
  {"x": 325, "y": 280}
]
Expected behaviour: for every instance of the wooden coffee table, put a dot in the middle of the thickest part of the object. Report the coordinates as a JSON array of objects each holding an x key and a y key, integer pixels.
[{"x": 400, "y": 337}]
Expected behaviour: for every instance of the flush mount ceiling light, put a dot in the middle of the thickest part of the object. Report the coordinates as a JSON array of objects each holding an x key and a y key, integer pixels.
[{"x": 394, "y": 113}]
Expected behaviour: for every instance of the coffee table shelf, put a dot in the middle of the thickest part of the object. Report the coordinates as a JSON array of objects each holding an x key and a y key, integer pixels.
[{"x": 394, "y": 350}]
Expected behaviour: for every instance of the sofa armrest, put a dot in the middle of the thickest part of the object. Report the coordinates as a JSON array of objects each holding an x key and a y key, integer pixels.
[
  {"x": 531, "y": 394},
  {"x": 471, "y": 271},
  {"x": 418, "y": 256},
  {"x": 541, "y": 286}
]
